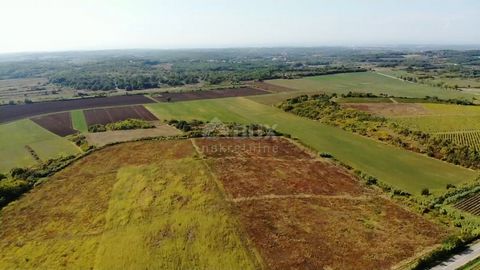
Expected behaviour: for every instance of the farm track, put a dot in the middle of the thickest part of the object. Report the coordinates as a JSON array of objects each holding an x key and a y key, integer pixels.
[
  {"x": 392, "y": 77},
  {"x": 298, "y": 196}
]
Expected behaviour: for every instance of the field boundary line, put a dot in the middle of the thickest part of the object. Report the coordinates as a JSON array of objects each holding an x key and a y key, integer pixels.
[
  {"x": 298, "y": 196},
  {"x": 392, "y": 77},
  {"x": 257, "y": 259}
]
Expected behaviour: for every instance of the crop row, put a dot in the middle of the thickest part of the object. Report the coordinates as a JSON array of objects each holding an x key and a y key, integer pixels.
[
  {"x": 471, "y": 205},
  {"x": 469, "y": 138}
]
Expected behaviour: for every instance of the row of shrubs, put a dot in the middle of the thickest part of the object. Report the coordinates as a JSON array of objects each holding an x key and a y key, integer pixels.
[
  {"x": 196, "y": 128},
  {"x": 430, "y": 99},
  {"x": 323, "y": 108},
  {"x": 20, "y": 180},
  {"x": 122, "y": 125}
]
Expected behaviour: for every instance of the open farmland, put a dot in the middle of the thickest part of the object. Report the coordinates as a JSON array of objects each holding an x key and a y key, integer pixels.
[
  {"x": 78, "y": 120},
  {"x": 304, "y": 213},
  {"x": 153, "y": 204},
  {"x": 469, "y": 138},
  {"x": 15, "y": 112},
  {"x": 111, "y": 115},
  {"x": 36, "y": 89},
  {"x": 112, "y": 136},
  {"x": 209, "y": 94},
  {"x": 443, "y": 118},
  {"x": 388, "y": 109},
  {"x": 15, "y": 136},
  {"x": 402, "y": 169},
  {"x": 470, "y": 204},
  {"x": 367, "y": 82},
  {"x": 58, "y": 123},
  {"x": 143, "y": 205}
]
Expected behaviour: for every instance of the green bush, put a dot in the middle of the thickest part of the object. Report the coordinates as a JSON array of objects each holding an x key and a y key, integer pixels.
[
  {"x": 425, "y": 192},
  {"x": 10, "y": 189},
  {"x": 129, "y": 124},
  {"x": 97, "y": 128},
  {"x": 122, "y": 125}
]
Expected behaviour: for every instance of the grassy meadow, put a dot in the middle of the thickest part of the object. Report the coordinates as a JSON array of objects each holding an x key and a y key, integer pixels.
[
  {"x": 78, "y": 121},
  {"x": 367, "y": 82},
  {"x": 15, "y": 136},
  {"x": 444, "y": 118},
  {"x": 151, "y": 205},
  {"x": 403, "y": 169}
]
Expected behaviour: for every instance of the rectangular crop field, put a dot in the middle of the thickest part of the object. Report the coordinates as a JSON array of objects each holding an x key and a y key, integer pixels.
[
  {"x": 79, "y": 122},
  {"x": 16, "y": 135},
  {"x": 209, "y": 94},
  {"x": 399, "y": 168},
  {"x": 305, "y": 213},
  {"x": 115, "y": 114},
  {"x": 443, "y": 118},
  {"x": 58, "y": 123},
  {"x": 367, "y": 82},
  {"x": 15, "y": 112}
]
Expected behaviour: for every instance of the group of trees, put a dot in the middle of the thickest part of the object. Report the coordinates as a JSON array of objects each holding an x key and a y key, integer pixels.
[
  {"x": 140, "y": 76},
  {"x": 321, "y": 107},
  {"x": 122, "y": 125},
  {"x": 197, "y": 128},
  {"x": 20, "y": 180}
]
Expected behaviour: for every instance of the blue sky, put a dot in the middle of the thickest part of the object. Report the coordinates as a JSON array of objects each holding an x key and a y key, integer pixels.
[{"x": 47, "y": 25}]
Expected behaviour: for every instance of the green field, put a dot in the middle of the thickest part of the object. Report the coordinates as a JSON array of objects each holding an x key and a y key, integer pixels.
[
  {"x": 406, "y": 170},
  {"x": 78, "y": 121},
  {"x": 16, "y": 135},
  {"x": 444, "y": 118},
  {"x": 367, "y": 82},
  {"x": 448, "y": 79}
]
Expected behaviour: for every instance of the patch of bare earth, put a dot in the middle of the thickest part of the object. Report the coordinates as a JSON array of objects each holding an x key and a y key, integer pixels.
[
  {"x": 389, "y": 109},
  {"x": 305, "y": 213},
  {"x": 103, "y": 138}
]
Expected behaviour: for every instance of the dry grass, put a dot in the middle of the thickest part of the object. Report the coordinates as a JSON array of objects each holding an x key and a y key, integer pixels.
[
  {"x": 107, "y": 137},
  {"x": 304, "y": 213},
  {"x": 143, "y": 205},
  {"x": 389, "y": 109}
]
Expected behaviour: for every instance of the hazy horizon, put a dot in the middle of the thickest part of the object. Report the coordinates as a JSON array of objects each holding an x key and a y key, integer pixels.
[{"x": 55, "y": 25}]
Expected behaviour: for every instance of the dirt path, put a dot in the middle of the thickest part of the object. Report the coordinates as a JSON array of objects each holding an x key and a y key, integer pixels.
[
  {"x": 392, "y": 77},
  {"x": 470, "y": 254},
  {"x": 297, "y": 196},
  {"x": 394, "y": 101}
]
